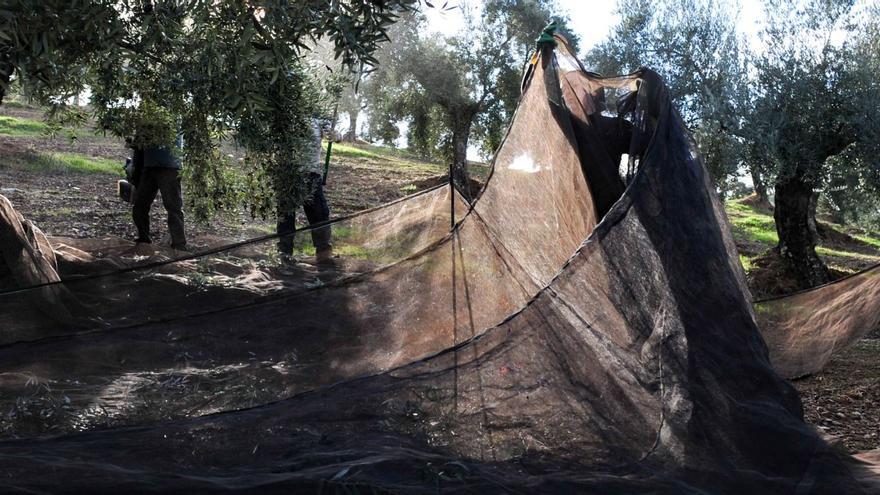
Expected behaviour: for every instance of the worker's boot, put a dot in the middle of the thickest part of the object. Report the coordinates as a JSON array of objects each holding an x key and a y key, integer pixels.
[{"x": 324, "y": 256}]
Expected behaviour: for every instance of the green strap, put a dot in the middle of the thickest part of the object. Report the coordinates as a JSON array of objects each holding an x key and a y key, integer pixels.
[{"x": 547, "y": 34}]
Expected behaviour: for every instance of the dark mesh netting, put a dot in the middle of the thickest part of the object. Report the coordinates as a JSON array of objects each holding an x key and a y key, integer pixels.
[
  {"x": 574, "y": 332},
  {"x": 804, "y": 330}
]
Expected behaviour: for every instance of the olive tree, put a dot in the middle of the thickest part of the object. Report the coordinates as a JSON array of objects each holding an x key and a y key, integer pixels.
[
  {"x": 453, "y": 89},
  {"x": 219, "y": 68},
  {"x": 694, "y": 45},
  {"x": 814, "y": 112}
]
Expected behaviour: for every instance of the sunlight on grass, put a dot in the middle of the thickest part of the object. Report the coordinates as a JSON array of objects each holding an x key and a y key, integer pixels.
[
  {"x": 374, "y": 151},
  {"x": 843, "y": 268},
  {"x": 736, "y": 206},
  {"x": 746, "y": 262},
  {"x": 845, "y": 254},
  {"x": 868, "y": 240},
  {"x": 14, "y": 126},
  {"x": 70, "y": 162},
  {"x": 340, "y": 149},
  {"x": 382, "y": 157},
  {"x": 759, "y": 229},
  {"x": 757, "y": 226}
]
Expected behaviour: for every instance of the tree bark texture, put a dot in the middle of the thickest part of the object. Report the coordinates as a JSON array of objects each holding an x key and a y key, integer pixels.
[
  {"x": 460, "y": 133},
  {"x": 5, "y": 76},
  {"x": 351, "y": 133},
  {"x": 795, "y": 216},
  {"x": 760, "y": 186}
]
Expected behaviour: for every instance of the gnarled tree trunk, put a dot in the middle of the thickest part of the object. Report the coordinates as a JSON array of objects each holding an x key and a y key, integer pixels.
[
  {"x": 5, "y": 76},
  {"x": 351, "y": 133},
  {"x": 760, "y": 187},
  {"x": 461, "y": 130},
  {"x": 795, "y": 216}
]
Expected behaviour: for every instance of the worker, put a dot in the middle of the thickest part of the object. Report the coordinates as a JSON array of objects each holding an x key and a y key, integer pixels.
[
  {"x": 157, "y": 169},
  {"x": 315, "y": 204}
]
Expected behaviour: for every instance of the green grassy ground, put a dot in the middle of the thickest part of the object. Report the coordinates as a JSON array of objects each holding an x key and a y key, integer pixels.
[
  {"x": 394, "y": 160},
  {"x": 28, "y": 147},
  {"x": 755, "y": 232},
  {"x": 19, "y": 127},
  {"x": 755, "y": 225},
  {"x": 31, "y": 160},
  {"x": 73, "y": 163}
]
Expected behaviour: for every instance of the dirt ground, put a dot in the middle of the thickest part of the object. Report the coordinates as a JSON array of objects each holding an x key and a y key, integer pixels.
[
  {"x": 843, "y": 400},
  {"x": 85, "y": 205}
]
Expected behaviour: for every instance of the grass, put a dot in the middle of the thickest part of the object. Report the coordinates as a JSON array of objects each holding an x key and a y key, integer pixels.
[
  {"x": 376, "y": 151},
  {"x": 755, "y": 225},
  {"x": 384, "y": 157},
  {"x": 758, "y": 229},
  {"x": 11, "y": 103},
  {"x": 846, "y": 254},
  {"x": 409, "y": 189},
  {"x": 71, "y": 163},
  {"x": 348, "y": 151},
  {"x": 872, "y": 241},
  {"x": 16, "y": 127}
]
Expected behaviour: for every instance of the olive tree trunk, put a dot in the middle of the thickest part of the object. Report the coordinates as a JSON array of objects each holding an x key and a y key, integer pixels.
[
  {"x": 351, "y": 133},
  {"x": 760, "y": 186},
  {"x": 461, "y": 130},
  {"x": 795, "y": 216},
  {"x": 5, "y": 76}
]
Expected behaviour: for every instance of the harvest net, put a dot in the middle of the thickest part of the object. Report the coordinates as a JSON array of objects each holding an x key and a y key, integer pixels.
[{"x": 570, "y": 332}]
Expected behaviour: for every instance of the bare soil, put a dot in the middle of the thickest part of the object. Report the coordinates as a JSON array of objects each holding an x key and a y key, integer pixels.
[
  {"x": 844, "y": 399},
  {"x": 85, "y": 205},
  {"x": 769, "y": 276}
]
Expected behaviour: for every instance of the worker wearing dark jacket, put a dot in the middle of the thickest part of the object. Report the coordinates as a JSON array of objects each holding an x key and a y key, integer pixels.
[{"x": 158, "y": 170}]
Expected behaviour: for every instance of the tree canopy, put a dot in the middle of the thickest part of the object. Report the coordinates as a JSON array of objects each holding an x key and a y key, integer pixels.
[
  {"x": 797, "y": 110},
  {"x": 452, "y": 90},
  {"x": 694, "y": 45},
  {"x": 219, "y": 68}
]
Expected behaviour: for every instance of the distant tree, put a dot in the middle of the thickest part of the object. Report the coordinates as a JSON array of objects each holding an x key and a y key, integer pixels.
[
  {"x": 740, "y": 190},
  {"x": 850, "y": 194},
  {"x": 352, "y": 85},
  {"x": 352, "y": 103},
  {"x": 693, "y": 44},
  {"x": 452, "y": 90},
  {"x": 814, "y": 115}
]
